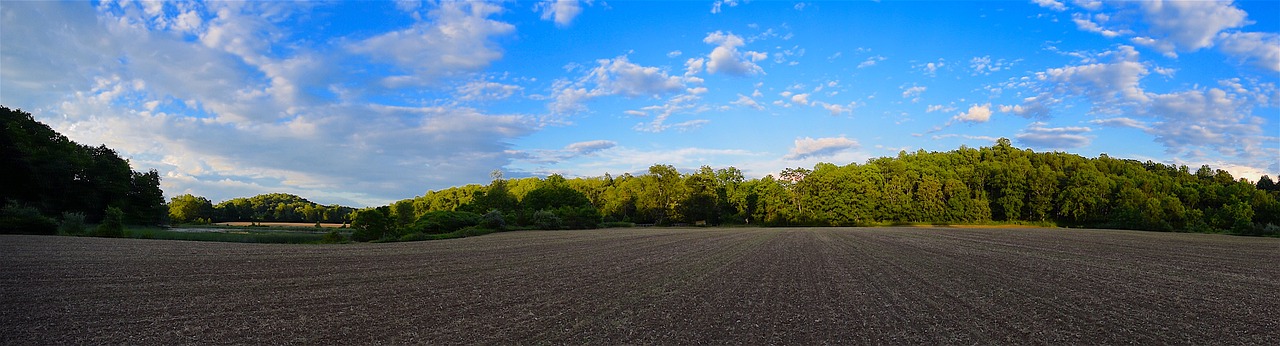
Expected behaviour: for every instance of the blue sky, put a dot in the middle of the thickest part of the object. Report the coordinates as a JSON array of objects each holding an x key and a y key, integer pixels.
[{"x": 363, "y": 103}]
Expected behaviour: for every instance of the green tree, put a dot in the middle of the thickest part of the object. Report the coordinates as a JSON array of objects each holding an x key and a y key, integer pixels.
[
  {"x": 186, "y": 208},
  {"x": 112, "y": 224},
  {"x": 372, "y": 224}
]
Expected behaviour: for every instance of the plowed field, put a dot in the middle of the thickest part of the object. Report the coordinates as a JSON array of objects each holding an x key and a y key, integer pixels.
[{"x": 652, "y": 286}]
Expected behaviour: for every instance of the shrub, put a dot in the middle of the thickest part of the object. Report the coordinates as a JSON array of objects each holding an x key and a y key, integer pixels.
[
  {"x": 493, "y": 220},
  {"x": 333, "y": 237},
  {"x": 415, "y": 236},
  {"x": 112, "y": 224},
  {"x": 546, "y": 219},
  {"x": 21, "y": 219},
  {"x": 444, "y": 221},
  {"x": 72, "y": 224},
  {"x": 585, "y": 217},
  {"x": 617, "y": 224}
]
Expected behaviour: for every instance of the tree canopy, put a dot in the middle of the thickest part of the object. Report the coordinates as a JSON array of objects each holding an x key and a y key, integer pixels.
[{"x": 47, "y": 171}]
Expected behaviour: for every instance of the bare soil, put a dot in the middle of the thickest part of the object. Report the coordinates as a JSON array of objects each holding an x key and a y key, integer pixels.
[
  {"x": 652, "y": 286},
  {"x": 280, "y": 224}
]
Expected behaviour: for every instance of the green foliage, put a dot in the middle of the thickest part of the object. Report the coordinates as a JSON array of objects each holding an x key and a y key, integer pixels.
[
  {"x": 72, "y": 224},
  {"x": 546, "y": 219},
  {"x": 372, "y": 224},
  {"x": 279, "y": 207},
  {"x": 16, "y": 218},
  {"x": 333, "y": 237},
  {"x": 441, "y": 221},
  {"x": 47, "y": 171},
  {"x": 493, "y": 220},
  {"x": 112, "y": 224},
  {"x": 187, "y": 208}
]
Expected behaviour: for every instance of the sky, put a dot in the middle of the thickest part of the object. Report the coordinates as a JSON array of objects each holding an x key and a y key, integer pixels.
[{"x": 362, "y": 103}]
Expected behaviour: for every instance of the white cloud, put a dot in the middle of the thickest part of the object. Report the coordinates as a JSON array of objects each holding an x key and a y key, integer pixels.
[
  {"x": 913, "y": 93},
  {"x": 976, "y": 114},
  {"x": 931, "y": 68},
  {"x": 1040, "y": 137},
  {"x": 1083, "y": 22},
  {"x": 726, "y": 58},
  {"x": 622, "y": 77},
  {"x": 1109, "y": 86},
  {"x": 871, "y": 61},
  {"x": 457, "y": 38},
  {"x": 810, "y": 147},
  {"x": 716, "y": 6},
  {"x": 486, "y": 91},
  {"x": 561, "y": 11},
  {"x": 1121, "y": 122},
  {"x": 617, "y": 76},
  {"x": 746, "y": 101},
  {"x": 1263, "y": 49},
  {"x": 1051, "y": 4},
  {"x": 802, "y": 99},
  {"x": 837, "y": 109},
  {"x": 1190, "y": 25},
  {"x": 984, "y": 65},
  {"x": 590, "y": 147},
  {"x": 941, "y": 108},
  {"x": 1092, "y": 5}
]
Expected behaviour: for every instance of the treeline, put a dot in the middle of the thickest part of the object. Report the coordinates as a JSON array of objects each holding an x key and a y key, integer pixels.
[
  {"x": 273, "y": 207},
  {"x": 989, "y": 184},
  {"x": 47, "y": 178}
]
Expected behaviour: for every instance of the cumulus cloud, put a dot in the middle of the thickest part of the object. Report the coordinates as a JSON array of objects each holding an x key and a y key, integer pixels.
[
  {"x": 984, "y": 65},
  {"x": 561, "y": 11},
  {"x": 102, "y": 76},
  {"x": 727, "y": 59},
  {"x": 837, "y": 109},
  {"x": 486, "y": 91},
  {"x": 1263, "y": 49},
  {"x": 1108, "y": 85},
  {"x": 716, "y": 6},
  {"x": 1084, "y": 23},
  {"x": 1198, "y": 119},
  {"x": 457, "y": 38},
  {"x": 871, "y": 61},
  {"x": 1190, "y": 25},
  {"x": 590, "y": 146},
  {"x": 1051, "y": 4},
  {"x": 748, "y": 102},
  {"x": 1037, "y": 135},
  {"x": 617, "y": 76},
  {"x": 913, "y": 93},
  {"x": 1121, "y": 122},
  {"x": 976, "y": 114},
  {"x": 810, "y": 147}
]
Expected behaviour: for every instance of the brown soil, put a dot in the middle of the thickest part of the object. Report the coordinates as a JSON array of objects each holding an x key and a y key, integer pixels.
[
  {"x": 652, "y": 286},
  {"x": 280, "y": 224}
]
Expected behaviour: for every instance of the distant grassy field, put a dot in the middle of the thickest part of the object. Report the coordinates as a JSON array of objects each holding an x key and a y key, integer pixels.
[{"x": 913, "y": 285}]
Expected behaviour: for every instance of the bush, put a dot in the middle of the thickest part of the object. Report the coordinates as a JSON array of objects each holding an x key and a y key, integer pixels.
[
  {"x": 578, "y": 217},
  {"x": 112, "y": 224},
  {"x": 415, "y": 236},
  {"x": 72, "y": 224},
  {"x": 617, "y": 224},
  {"x": 546, "y": 219},
  {"x": 493, "y": 220},
  {"x": 21, "y": 219},
  {"x": 333, "y": 237},
  {"x": 443, "y": 221}
]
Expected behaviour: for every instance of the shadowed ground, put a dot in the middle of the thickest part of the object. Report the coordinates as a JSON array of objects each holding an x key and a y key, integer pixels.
[{"x": 788, "y": 285}]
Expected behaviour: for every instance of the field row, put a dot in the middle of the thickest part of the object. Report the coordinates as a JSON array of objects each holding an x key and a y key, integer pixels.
[{"x": 822, "y": 285}]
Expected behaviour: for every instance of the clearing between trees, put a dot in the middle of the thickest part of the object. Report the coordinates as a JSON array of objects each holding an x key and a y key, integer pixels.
[{"x": 652, "y": 285}]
